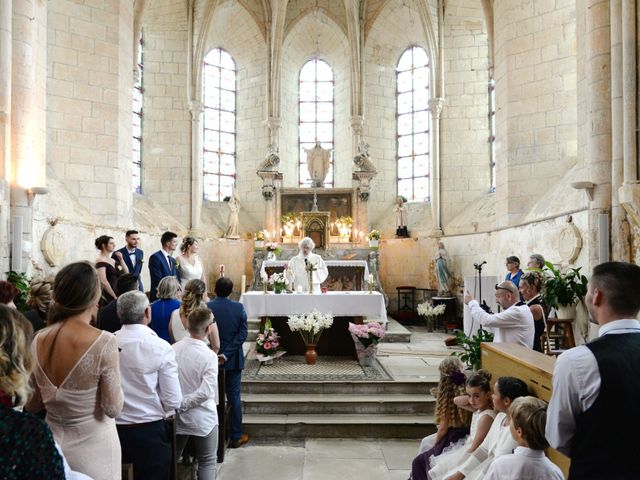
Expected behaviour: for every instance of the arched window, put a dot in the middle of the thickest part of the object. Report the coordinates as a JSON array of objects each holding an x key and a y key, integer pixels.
[
  {"x": 412, "y": 75},
  {"x": 219, "y": 93},
  {"x": 316, "y": 114},
  {"x": 138, "y": 91}
]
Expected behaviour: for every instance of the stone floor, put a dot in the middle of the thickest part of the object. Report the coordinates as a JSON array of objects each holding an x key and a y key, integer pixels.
[{"x": 326, "y": 459}]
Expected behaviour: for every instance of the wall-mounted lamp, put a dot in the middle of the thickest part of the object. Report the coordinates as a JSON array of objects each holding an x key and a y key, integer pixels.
[
  {"x": 33, "y": 191},
  {"x": 586, "y": 186}
]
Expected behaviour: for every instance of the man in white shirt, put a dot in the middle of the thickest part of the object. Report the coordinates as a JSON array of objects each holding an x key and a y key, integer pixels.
[
  {"x": 514, "y": 324},
  {"x": 598, "y": 427},
  {"x": 198, "y": 374},
  {"x": 300, "y": 265},
  {"x": 149, "y": 377}
]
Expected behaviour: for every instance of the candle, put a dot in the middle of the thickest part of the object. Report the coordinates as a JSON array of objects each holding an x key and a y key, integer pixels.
[
  {"x": 266, "y": 234},
  {"x": 299, "y": 289},
  {"x": 370, "y": 278},
  {"x": 274, "y": 236},
  {"x": 243, "y": 284}
]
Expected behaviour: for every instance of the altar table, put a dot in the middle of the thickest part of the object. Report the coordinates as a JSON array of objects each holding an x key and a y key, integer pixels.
[{"x": 355, "y": 272}]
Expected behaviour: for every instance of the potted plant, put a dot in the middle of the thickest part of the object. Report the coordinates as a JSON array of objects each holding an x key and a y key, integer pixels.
[
  {"x": 258, "y": 239},
  {"x": 21, "y": 281},
  {"x": 374, "y": 238},
  {"x": 310, "y": 328},
  {"x": 563, "y": 291},
  {"x": 366, "y": 338},
  {"x": 430, "y": 313},
  {"x": 472, "y": 354}
]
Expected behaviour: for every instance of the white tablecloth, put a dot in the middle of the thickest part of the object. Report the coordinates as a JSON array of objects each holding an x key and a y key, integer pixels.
[
  {"x": 328, "y": 263},
  {"x": 339, "y": 304}
]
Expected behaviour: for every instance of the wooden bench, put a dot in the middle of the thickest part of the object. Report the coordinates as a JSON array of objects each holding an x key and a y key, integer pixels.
[{"x": 534, "y": 368}]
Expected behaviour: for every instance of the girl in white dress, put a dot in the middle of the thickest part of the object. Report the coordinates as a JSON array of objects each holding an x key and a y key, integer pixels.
[
  {"x": 189, "y": 264},
  {"x": 479, "y": 401}
]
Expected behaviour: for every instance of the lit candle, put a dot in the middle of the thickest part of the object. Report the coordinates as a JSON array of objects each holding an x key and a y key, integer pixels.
[
  {"x": 370, "y": 278},
  {"x": 299, "y": 289},
  {"x": 243, "y": 284}
]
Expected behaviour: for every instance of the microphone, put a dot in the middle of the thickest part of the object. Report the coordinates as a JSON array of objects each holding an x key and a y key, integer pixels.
[{"x": 306, "y": 262}]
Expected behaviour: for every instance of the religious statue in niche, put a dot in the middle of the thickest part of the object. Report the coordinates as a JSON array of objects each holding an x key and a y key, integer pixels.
[
  {"x": 442, "y": 270},
  {"x": 318, "y": 162},
  {"x": 401, "y": 217},
  {"x": 234, "y": 211},
  {"x": 271, "y": 160},
  {"x": 362, "y": 160}
]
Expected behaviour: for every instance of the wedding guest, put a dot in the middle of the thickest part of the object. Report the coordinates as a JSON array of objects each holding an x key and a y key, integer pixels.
[
  {"x": 109, "y": 265},
  {"x": 39, "y": 300},
  {"x": 593, "y": 414},
  {"x": 169, "y": 294},
  {"x": 189, "y": 264},
  {"x": 513, "y": 324},
  {"x": 150, "y": 382},
  {"x": 161, "y": 263},
  {"x": 108, "y": 315},
  {"x": 8, "y": 292},
  {"x": 536, "y": 262},
  {"x": 531, "y": 284},
  {"x": 194, "y": 296},
  {"x": 198, "y": 373},
  {"x": 514, "y": 271},
  {"x": 528, "y": 461},
  {"x": 133, "y": 257},
  {"x": 231, "y": 320},
  {"x": 28, "y": 449},
  {"x": 77, "y": 378}
]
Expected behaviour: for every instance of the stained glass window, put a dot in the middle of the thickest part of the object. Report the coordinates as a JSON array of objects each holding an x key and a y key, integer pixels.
[
  {"x": 138, "y": 91},
  {"x": 219, "y": 137},
  {"x": 413, "y": 125},
  {"x": 316, "y": 115}
]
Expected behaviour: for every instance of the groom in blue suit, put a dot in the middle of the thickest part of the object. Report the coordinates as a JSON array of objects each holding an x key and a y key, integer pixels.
[
  {"x": 133, "y": 256},
  {"x": 232, "y": 326},
  {"x": 161, "y": 263}
]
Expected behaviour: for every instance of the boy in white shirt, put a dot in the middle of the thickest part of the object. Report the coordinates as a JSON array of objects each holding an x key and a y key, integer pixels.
[
  {"x": 198, "y": 375},
  {"x": 528, "y": 462}
]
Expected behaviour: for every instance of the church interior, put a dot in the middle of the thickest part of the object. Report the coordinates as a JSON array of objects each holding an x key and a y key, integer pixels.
[{"x": 384, "y": 130}]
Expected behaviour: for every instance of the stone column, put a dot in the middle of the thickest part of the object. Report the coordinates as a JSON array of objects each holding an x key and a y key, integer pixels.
[
  {"x": 435, "y": 107},
  {"x": 5, "y": 128},
  {"x": 196, "y": 108}
]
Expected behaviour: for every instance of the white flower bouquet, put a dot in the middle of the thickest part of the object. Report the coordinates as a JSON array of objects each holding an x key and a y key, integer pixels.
[
  {"x": 430, "y": 312},
  {"x": 310, "y": 326}
]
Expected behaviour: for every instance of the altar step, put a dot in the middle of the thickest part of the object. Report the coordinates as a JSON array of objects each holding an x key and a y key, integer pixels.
[
  {"x": 396, "y": 333},
  {"x": 292, "y": 410}
]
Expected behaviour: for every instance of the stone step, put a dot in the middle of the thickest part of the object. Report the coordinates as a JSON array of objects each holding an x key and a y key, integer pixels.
[
  {"x": 299, "y": 404},
  {"x": 338, "y": 426},
  {"x": 340, "y": 388}
]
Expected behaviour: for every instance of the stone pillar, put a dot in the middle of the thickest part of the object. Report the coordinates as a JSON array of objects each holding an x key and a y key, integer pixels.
[
  {"x": 435, "y": 107},
  {"x": 5, "y": 128},
  {"x": 196, "y": 108}
]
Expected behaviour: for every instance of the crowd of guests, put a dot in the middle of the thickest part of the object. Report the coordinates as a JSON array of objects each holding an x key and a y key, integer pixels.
[{"x": 108, "y": 370}]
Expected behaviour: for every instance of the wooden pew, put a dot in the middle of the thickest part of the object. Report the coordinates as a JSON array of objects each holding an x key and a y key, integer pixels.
[{"x": 534, "y": 368}]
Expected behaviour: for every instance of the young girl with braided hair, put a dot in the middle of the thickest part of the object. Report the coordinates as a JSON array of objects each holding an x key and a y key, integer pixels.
[{"x": 453, "y": 422}]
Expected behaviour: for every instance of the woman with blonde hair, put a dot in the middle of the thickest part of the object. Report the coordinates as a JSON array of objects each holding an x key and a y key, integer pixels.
[
  {"x": 169, "y": 293},
  {"x": 189, "y": 264},
  {"x": 77, "y": 376},
  {"x": 39, "y": 299},
  {"x": 194, "y": 296}
]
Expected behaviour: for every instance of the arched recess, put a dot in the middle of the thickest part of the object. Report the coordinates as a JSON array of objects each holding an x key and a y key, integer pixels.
[{"x": 316, "y": 35}]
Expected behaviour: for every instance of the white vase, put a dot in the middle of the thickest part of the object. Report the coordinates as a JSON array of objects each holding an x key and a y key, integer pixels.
[
  {"x": 566, "y": 312},
  {"x": 374, "y": 243},
  {"x": 271, "y": 256}
]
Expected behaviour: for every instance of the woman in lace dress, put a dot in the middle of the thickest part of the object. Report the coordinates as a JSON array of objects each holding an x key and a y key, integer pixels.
[
  {"x": 189, "y": 264},
  {"x": 77, "y": 376}
]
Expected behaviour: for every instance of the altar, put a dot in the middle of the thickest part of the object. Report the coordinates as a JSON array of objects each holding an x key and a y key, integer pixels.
[
  {"x": 344, "y": 275},
  {"x": 345, "y": 307}
]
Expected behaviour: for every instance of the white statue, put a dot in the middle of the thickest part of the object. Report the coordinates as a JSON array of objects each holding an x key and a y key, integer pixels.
[
  {"x": 401, "y": 217},
  {"x": 271, "y": 160},
  {"x": 362, "y": 158},
  {"x": 234, "y": 211},
  {"x": 318, "y": 162}
]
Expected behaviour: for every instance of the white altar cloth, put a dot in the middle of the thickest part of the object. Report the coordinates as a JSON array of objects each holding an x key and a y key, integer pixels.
[
  {"x": 339, "y": 304},
  {"x": 328, "y": 263}
]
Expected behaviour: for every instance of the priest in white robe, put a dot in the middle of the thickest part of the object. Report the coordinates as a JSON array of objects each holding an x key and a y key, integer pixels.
[{"x": 298, "y": 267}]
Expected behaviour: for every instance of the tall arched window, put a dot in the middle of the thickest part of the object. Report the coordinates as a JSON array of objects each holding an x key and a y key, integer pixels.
[
  {"x": 413, "y": 124},
  {"x": 316, "y": 114},
  {"x": 219, "y": 93},
  {"x": 138, "y": 90}
]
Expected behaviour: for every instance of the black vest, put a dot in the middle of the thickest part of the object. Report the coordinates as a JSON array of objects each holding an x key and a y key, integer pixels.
[{"x": 605, "y": 444}]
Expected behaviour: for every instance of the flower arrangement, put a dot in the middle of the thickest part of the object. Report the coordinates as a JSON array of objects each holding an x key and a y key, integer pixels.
[
  {"x": 430, "y": 312},
  {"x": 291, "y": 218},
  {"x": 267, "y": 341},
  {"x": 345, "y": 221},
  {"x": 310, "y": 326},
  {"x": 279, "y": 282},
  {"x": 273, "y": 247},
  {"x": 368, "y": 333},
  {"x": 373, "y": 235},
  {"x": 259, "y": 236}
]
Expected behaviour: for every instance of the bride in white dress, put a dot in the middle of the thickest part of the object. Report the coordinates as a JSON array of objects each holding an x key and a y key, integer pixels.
[{"x": 189, "y": 264}]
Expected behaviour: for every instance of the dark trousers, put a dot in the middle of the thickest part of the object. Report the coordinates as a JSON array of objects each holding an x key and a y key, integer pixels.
[
  {"x": 232, "y": 385},
  {"x": 148, "y": 447}
]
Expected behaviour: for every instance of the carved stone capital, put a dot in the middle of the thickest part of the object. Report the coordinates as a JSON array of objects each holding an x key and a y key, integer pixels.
[
  {"x": 196, "y": 108},
  {"x": 629, "y": 198},
  {"x": 435, "y": 106},
  {"x": 273, "y": 123},
  {"x": 268, "y": 192},
  {"x": 357, "y": 121}
]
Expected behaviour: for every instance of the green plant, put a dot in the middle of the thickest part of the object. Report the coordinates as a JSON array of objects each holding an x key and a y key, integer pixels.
[
  {"x": 21, "y": 281},
  {"x": 472, "y": 354},
  {"x": 563, "y": 289},
  {"x": 373, "y": 235}
]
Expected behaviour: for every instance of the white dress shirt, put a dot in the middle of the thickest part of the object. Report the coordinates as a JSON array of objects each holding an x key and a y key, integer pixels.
[
  {"x": 524, "y": 464},
  {"x": 149, "y": 375},
  {"x": 167, "y": 258},
  {"x": 576, "y": 384},
  {"x": 132, "y": 257},
  {"x": 301, "y": 276},
  {"x": 198, "y": 373},
  {"x": 513, "y": 325}
]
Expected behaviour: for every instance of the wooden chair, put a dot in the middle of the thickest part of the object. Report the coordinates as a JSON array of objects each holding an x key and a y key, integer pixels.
[{"x": 558, "y": 336}]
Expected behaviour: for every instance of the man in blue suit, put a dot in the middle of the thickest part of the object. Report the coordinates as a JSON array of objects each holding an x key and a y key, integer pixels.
[
  {"x": 133, "y": 256},
  {"x": 161, "y": 263},
  {"x": 232, "y": 326}
]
